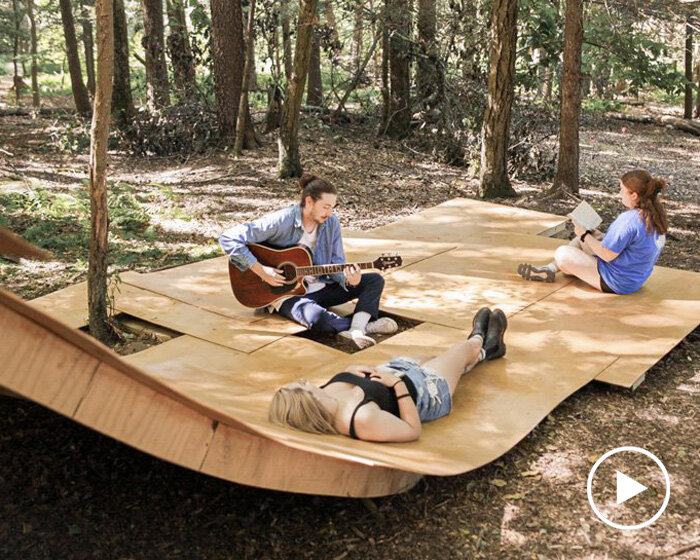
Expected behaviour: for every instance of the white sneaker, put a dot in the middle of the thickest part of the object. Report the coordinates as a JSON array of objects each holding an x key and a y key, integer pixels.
[
  {"x": 360, "y": 339},
  {"x": 383, "y": 325}
]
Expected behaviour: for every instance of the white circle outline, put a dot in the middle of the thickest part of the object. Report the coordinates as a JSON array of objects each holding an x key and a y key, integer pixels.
[{"x": 638, "y": 525}]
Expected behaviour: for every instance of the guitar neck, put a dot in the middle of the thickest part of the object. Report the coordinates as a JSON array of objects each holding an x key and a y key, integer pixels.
[{"x": 329, "y": 268}]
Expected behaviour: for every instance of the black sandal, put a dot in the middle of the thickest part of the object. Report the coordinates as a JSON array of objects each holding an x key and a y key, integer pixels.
[{"x": 536, "y": 273}]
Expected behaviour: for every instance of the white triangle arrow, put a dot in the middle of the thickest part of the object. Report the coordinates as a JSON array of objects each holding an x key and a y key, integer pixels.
[{"x": 627, "y": 487}]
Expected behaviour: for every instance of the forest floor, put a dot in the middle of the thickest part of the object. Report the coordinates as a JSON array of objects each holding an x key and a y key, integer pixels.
[{"x": 68, "y": 492}]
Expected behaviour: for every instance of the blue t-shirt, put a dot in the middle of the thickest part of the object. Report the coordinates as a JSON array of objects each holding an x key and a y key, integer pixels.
[{"x": 638, "y": 251}]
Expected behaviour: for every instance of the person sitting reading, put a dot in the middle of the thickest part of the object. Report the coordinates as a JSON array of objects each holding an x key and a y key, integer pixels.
[
  {"x": 389, "y": 402},
  {"x": 622, "y": 260},
  {"x": 313, "y": 223}
]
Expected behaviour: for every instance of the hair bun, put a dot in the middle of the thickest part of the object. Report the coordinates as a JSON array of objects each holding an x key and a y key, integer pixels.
[
  {"x": 659, "y": 185},
  {"x": 305, "y": 179}
]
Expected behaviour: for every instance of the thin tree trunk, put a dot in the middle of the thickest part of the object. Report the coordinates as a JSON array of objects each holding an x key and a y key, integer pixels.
[
  {"x": 494, "y": 181},
  {"x": 180, "y": 50},
  {"x": 314, "y": 94},
  {"x": 385, "y": 88},
  {"x": 688, "y": 105},
  {"x": 122, "y": 100},
  {"x": 80, "y": 92},
  {"x": 157, "y": 88},
  {"x": 88, "y": 44},
  {"x": 243, "y": 113},
  {"x": 567, "y": 176},
  {"x": 289, "y": 164},
  {"x": 697, "y": 106},
  {"x": 356, "y": 79},
  {"x": 426, "y": 75},
  {"x": 286, "y": 39},
  {"x": 99, "y": 134},
  {"x": 332, "y": 25},
  {"x": 227, "y": 62},
  {"x": 398, "y": 22},
  {"x": 17, "y": 79},
  {"x": 357, "y": 35},
  {"x": 35, "y": 67}
]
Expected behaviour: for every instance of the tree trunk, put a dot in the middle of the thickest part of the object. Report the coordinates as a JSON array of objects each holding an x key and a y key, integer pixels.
[
  {"x": 243, "y": 112},
  {"x": 697, "y": 106},
  {"x": 80, "y": 92},
  {"x": 398, "y": 22},
  {"x": 385, "y": 91},
  {"x": 332, "y": 26},
  {"x": 89, "y": 47},
  {"x": 314, "y": 94},
  {"x": 17, "y": 79},
  {"x": 357, "y": 35},
  {"x": 286, "y": 40},
  {"x": 99, "y": 134},
  {"x": 157, "y": 88},
  {"x": 180, "y": 50},
  {"x": 122, "y": 100},
  {"x": 688, "y": 105},
  {"x": 567, "y": 167},
  {"x": 227, "y": 61},
  {"x": 426, "y": 75},
  {"x": 289, "y": 164},
  {"x": 494, "y": 181},
  {"x": 35, "y": 67}
]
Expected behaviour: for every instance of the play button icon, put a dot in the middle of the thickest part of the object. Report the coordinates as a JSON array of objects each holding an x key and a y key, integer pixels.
[
  {"x": 627, "y": 487},
  {"x": 614, "y": 488}
]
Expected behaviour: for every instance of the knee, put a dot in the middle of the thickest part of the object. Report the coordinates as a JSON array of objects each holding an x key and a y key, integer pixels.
[
  {"x": 563, "y": 256},
  {"x": 374, "y": 280}
]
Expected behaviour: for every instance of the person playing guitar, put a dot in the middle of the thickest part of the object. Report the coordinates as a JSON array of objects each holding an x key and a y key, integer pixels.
[{"x": 313, "y": 224}]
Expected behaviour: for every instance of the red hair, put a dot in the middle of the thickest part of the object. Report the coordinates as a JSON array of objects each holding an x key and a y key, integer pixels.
[{"x": 648, "y": 189}]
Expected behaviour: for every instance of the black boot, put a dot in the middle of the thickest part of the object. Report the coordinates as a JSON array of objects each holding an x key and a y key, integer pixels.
[
  {"x": 480, "y": 323},
  {"x": 494, "y": 347}
]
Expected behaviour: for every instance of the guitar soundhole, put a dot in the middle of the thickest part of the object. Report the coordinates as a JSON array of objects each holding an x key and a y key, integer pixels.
[{"x": 289, "y": 271}]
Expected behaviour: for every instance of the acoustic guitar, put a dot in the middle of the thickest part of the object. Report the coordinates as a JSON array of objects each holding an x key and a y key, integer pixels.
[{"x": 295, "y": 263}]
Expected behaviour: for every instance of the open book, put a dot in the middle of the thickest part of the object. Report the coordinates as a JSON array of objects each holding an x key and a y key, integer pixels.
[{"x": 585, "y": 216}]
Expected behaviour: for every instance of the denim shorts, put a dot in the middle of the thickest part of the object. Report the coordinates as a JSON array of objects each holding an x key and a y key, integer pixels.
[{"x": 433, "y": 392}]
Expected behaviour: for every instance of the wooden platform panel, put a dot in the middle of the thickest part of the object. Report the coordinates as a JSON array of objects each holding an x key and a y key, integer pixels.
[
  {"x": 461, "y": 219},
  {"x": 197, "y": 322},
  {"x": 448, "y": 288},
  {"x": 68, "y": 305}
]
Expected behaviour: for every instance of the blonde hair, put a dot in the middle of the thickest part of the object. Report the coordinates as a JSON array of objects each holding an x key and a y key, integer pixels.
[{"x": 298, "y": 408}]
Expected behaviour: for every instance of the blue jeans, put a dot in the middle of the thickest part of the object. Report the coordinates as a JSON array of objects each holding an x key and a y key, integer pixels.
[
  {"x": 311, "y": 310},
  {"x": 433, "y": 400}
]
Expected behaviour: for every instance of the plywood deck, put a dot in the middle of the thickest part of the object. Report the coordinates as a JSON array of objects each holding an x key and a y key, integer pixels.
[{"x": 200, "y": 400}]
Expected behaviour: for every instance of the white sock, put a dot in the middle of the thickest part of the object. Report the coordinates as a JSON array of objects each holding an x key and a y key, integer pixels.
[
  {"x": 478, "y": 337},
  {"x": 359, "y": 321},
  {"x": 553, "y": 267}
]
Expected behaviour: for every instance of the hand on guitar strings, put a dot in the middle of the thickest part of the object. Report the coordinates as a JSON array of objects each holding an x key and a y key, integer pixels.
[
  {"x": 268, "y": 274},
  {"x": 353, "y": 275}
]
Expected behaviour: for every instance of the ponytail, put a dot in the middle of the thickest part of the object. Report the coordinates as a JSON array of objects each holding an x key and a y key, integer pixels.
[
  {"x": 648, "y": 189},
  {"x": 315, "y": 187}
]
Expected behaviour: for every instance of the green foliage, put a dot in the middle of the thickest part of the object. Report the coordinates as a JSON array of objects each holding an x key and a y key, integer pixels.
[
  {"x": 598, "y": 105},
  {"x": 72, "y": 135}
]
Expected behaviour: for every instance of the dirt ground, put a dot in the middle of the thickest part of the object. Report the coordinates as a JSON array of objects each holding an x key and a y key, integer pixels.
[{"x": 68, "y": 492}]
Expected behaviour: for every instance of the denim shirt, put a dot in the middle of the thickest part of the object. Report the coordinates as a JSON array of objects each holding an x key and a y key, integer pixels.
[{"x": 282, "y": 229}]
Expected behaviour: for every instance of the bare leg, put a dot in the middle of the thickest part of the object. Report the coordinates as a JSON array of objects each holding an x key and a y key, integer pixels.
[
  {"x": 576, "y": 262},
  {"x": 576, "y": 242},
  {"x": 452, "y": 363}
]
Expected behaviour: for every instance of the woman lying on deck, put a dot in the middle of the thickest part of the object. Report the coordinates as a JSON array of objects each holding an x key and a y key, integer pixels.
[
  {"x": 388, "y": 403},
  {"x": 622, "y": 260}
]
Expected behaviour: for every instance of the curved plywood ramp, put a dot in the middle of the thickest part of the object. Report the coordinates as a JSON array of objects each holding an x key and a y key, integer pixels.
[{"x": 68, "y": 372}]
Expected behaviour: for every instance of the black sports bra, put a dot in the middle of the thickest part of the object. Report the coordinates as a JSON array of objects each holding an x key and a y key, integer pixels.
[{"x": 374, "y": 391}]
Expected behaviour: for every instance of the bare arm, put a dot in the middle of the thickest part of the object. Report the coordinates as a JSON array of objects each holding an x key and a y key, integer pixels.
[
  {"x": 373, "y": 424},
  {"x": 593, "y": 242}
]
